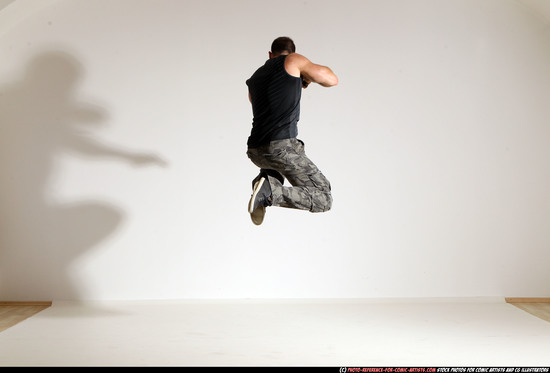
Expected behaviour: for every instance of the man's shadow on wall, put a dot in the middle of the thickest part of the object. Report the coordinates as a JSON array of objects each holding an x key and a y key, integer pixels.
[{"x": 40, "y": 117}]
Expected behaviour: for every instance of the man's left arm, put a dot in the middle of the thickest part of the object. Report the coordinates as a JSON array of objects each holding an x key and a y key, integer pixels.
[{"x": 298, "y": 65}]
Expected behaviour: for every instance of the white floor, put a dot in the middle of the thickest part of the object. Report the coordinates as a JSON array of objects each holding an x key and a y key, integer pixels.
[{"x": 279, "y": 333}]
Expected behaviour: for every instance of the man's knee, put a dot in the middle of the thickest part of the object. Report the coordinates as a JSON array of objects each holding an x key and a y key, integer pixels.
[{"x": 322, "y": 203}]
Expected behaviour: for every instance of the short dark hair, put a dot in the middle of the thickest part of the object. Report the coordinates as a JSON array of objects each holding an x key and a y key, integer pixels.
[{"x": 283, "y": 44}]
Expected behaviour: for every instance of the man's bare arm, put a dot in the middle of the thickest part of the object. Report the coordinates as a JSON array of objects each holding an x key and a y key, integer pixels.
[{"x": 298, "y": 65}]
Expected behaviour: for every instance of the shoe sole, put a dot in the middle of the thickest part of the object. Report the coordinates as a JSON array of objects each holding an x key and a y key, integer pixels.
[
  {"x": 257, "y": 188},
  {"x": 258, "y": 215}
]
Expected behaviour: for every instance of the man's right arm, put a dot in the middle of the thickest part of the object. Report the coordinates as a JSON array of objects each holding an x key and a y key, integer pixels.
[{"x": 298, "y": 65}]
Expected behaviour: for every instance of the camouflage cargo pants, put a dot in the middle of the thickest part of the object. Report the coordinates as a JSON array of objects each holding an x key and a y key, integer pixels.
[{"x": 286, "y": 159}]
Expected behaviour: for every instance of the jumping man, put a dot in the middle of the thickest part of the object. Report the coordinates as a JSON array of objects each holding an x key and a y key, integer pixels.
[{"x": 275, "y": 90}]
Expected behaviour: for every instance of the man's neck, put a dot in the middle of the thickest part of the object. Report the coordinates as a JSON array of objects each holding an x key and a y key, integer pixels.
[{"x": 279, "y": 54}]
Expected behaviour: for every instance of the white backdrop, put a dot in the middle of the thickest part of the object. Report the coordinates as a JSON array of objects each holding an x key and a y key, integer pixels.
[{"x": 123, "y": 172}]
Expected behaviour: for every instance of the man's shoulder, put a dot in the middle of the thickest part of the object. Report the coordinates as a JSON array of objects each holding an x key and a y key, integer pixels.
[
  {"x": 294, "y": 63},
  {"x": 259, "y": 71},
  {"x": 296, "y": 58}
]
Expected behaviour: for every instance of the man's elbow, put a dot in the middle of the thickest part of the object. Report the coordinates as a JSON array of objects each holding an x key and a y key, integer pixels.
[{"x": 330, "y": 81}]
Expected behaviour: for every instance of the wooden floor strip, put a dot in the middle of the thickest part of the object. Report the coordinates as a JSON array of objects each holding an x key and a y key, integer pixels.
[
  {"x": 527, "y": 300},
  {"x": 19, "y": 303},
  {"x": 540, "y": 310},
  {"x": 12, "y": 313}
]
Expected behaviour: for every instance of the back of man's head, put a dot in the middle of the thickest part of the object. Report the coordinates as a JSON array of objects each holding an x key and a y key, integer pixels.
[{"x": 283, "y": 44}]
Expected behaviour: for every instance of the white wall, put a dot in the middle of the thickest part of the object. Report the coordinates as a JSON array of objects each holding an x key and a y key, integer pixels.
[{"x": 123, "y": 129}]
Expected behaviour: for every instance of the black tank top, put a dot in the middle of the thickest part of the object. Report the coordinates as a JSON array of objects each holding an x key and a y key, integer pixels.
[{"x": 275, "y": 96}]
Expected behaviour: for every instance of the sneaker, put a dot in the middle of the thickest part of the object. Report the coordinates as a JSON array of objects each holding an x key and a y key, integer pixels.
[{"x": 260, "y": 199}]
